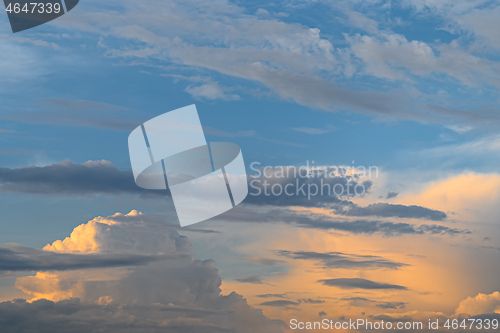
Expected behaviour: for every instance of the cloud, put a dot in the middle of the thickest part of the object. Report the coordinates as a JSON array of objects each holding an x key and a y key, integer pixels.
[
  {"x": 298, "y": 62},
  {"x": 311, "y": 301},
  {"x": 72, "y": 315},
  {"x": 391, "y": 210},
  {"x": 307, "y": 186},
  {"x": 392, "y": 305},
  {"x": 14, "y": 257},
  {"x": 6, "y": 131},
  {"x": 358, "y": 283},
  {"x": 310, "y": 220},
  {"x": 272, "y": 296},
  {"x": 392, "y": 56},
  {"x": 211, "y": 90},
  {"x": 20, "y": 63},
  {"x": 280, "y": 303},
  {"x": 77, "y": 113},
  {"x": 315, "y": 131},
  {"x": 263, "y": 261},
  {"x": 361, "y": 302},
  {"x": 343, "y": 260},
  {"x": 391, "y": 195},
  {"x": 480, "y": 304},
  {"x": 387, "y": 228},
  {"x": 177, "y": 295},
  {"x": 254, "y": 279},
  {"x": 12, "y": 151},
  {"x": 66, "y": 178},
  {"x": 103, "y": 177},
  {"x": 476, "y": 117},
  {"x": 287, "y": 58}
]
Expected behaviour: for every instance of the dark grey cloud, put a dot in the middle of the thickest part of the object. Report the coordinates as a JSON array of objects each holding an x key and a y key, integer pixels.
[
  {"x": 322, "y": 313},
  {"x": 14, "y": 258},
  {"x": 280, "y": 303},
  {"x": 352, "y": 283},
  {"x": 343, "y": 260},
  {"x": 255, "y": 279},
  {"x": 390, "y": 210},
  {"x": 75, "y": 316},
  {"x": 102, "y": 177},
  {"x": 263, "y": 261},
  {"x": 391, "y": 194},
  {"x": 310, "y": 220},
  {"x": 179, "y": 295},
  {"x": 387, "y": 228},
  {"x": 66, "y": 178},
  {"x": 489, "y": 316},
  {"x": 392, "y": 305},
  {"x": 272, "y": 296},
  {"x": 311, "y": 301},
  {"x": 361, "y": 301}
]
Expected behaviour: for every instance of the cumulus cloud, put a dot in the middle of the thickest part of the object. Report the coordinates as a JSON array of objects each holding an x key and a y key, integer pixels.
[
  {"x": 231, "y": 314},
  {"x": 181, "y": 294},
  {"x": 480, "y": 304},
  {"x": 357, "y": 283}
]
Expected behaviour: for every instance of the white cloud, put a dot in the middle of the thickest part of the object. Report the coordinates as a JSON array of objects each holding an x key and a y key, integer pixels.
[
  {"x": 480, "y": 304},
  {"x": 211, "y": 90},
  {"x": 296, "y": 62},
  {"x": 182, "y": 292},
  {"x": 393, "y": 57}
]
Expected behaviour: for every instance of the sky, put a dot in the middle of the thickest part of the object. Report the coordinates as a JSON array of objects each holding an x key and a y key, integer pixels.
[{"x": 408, "y": 89}]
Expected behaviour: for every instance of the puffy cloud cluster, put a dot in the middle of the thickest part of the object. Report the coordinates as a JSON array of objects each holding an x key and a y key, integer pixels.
[
  {"x": 480, "y": 304},
  {"x": 178, "y": 293}
]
